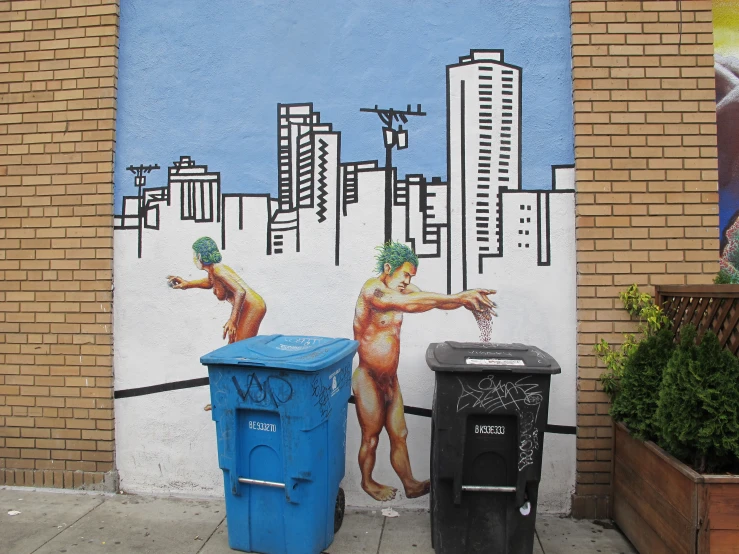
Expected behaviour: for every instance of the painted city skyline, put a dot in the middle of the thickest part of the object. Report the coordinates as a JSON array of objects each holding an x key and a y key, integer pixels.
[
  {"x": 317, "y": 189},
  {"x": 220, "y": 108}
]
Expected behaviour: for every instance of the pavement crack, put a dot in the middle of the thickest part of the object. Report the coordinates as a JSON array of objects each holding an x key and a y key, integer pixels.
[
  {"x": 70, "y": 525},
  {"x": 382, "y": 532},
  {"x": 211, "y": 534},
  {"x": 538, "y": 539}
]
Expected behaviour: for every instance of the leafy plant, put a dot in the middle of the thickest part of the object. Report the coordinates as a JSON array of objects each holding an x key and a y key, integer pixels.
[
  {"x": 636, "y": 403},
  {"x": 642, "y": 305},
  {"x": 651, "y": 320},
  {"x": 698, "y": 409}
]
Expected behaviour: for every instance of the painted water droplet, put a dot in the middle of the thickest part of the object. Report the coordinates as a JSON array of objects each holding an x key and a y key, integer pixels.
[{"x": 484, "y": 319}]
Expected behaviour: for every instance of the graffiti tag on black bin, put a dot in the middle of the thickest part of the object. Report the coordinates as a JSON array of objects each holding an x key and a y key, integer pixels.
[
  {"x": 274, "y": 389},
  {"x": 492, "y": 395},
  {"x": 528, "y": 439}
]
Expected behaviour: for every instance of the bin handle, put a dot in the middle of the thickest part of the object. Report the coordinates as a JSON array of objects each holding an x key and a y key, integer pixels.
[
  {"x": 480, "y": 488},
  {"x": 246, "y": 481}
]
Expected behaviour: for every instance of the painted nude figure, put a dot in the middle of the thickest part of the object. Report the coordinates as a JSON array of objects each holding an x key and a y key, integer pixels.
[
  {"x": 248, "y": 307},
  {"x": 377, "y": 321}
]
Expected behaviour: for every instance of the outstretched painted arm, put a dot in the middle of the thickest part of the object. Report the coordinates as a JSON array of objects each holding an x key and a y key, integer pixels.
[
  {"x": 182, "y": 284},
  {"x": 417, "y": 301},
  {"x": 451, "y": 305}
]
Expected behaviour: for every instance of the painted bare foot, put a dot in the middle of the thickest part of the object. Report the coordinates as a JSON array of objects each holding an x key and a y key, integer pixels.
[
  {"x": 415, "y": 489},
  {"x": 379, "y": 492}
]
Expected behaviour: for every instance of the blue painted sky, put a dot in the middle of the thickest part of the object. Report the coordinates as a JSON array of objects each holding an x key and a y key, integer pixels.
[{"x": 203, "y": 78}]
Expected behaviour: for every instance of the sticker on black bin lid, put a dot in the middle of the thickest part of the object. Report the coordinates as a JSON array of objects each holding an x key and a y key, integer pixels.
[{"x": 493, "y": 361}]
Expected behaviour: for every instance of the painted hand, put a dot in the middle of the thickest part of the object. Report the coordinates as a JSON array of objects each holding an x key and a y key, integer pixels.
[
  {"x": 230, "y": 329},
  {"x": 176, "y": 282},
  {"x": 477, "y": 300}
]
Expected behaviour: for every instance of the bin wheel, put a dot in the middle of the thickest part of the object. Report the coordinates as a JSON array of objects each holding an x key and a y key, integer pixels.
[{"x": 339, "y": 510}]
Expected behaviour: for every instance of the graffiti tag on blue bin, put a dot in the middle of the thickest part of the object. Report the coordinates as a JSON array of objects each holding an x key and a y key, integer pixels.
[
  {"x": 275, "y": 390},
  {"x": 323, "y": 392}
]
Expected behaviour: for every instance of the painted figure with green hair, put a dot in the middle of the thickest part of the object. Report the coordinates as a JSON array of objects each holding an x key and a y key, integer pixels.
[
  {"x": 248, "y": 307},
  {"x": 377, "y": 320}
]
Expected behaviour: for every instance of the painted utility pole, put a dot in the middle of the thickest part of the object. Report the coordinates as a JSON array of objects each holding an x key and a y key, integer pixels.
[
  {"x": 139, "y": 182},
  {"x": 392, "y": 138}
]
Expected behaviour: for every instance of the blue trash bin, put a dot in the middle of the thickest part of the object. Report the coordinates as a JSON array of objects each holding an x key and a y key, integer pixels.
[{"x": 280, "y": 404}]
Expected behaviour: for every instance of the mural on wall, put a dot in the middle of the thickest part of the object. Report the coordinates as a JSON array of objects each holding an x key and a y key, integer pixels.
[
  {"x": 475, "y": 192},
  {"x": 726, "y": 63},
  {"x": 378, "y": 318}
]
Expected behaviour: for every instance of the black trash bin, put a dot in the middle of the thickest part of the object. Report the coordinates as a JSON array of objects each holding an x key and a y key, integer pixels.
[{"x": 490, "y": 409}]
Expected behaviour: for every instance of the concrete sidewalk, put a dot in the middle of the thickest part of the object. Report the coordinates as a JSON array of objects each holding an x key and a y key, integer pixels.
[{"x": 52, "y": 521}]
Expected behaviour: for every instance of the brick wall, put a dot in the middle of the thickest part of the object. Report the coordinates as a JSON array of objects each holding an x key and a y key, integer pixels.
[
  {"x": 58, "y": 61},
  {"x": 647, "y": 200}
]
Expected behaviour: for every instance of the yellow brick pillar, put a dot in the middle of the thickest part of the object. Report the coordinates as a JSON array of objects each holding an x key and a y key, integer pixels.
[
  {"x": 58, "y": 61},
  {"x": 647, "y": 192}
]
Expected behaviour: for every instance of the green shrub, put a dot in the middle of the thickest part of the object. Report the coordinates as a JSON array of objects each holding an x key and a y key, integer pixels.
[
  {"x": 723, "y": 277},
  {"x": 698, "y": 409},
  {"x": 641, "y": 375}
]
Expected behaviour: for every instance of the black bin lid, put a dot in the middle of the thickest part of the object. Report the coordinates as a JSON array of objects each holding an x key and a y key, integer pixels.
[{"x": 478, "y": 357}]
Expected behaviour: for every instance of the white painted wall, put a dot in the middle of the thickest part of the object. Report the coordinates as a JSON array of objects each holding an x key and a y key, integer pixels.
[{"x": 166, "y": 442}]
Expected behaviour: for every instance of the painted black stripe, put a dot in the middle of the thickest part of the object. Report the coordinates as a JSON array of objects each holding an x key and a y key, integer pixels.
[
  {"x": 561, "y": 429},
  {"x": 164, "y": 387},
  {"x": 423, "y": 412},
  {"x": 203, "y": 381}
]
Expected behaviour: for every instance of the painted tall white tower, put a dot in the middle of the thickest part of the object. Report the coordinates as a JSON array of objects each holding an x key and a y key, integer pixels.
[
  {"x": 484, "y": 155},
  {"x": 295, "y": 154},
  {"x": 298, "y": 127}
]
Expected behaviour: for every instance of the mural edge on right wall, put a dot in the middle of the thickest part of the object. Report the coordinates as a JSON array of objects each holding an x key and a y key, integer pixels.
[{"x": 726, "y": 65}]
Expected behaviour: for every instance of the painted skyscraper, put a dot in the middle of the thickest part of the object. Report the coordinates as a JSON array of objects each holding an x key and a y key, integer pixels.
[
  {"x": 484, "y": 154},
  {"x": 297, "y": 156}
]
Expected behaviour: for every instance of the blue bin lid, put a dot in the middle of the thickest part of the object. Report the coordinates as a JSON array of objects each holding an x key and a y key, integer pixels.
[{"x": 302, "y": 353}]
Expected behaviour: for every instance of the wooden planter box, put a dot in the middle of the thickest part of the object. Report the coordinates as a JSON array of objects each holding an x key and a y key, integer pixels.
[{"x": 663, "y": 506}]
